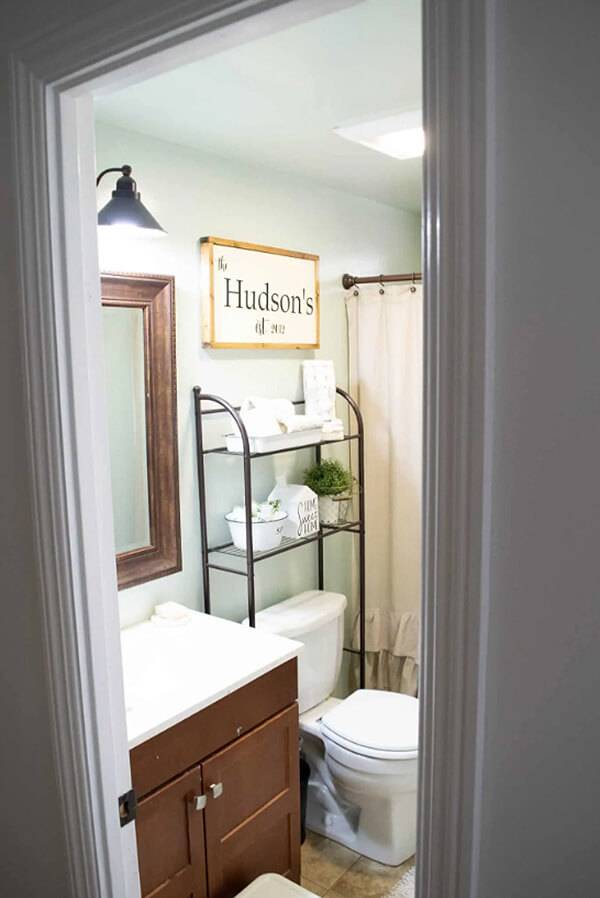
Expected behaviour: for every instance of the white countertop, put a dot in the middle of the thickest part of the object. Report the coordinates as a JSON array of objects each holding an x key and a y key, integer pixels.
[{"x": 173, "y": 670}]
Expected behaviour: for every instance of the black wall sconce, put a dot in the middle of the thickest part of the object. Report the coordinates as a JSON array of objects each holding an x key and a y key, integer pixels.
[{"x": 126, "y": 207}]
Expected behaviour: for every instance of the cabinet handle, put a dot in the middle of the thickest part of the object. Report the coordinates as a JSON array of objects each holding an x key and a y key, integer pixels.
[
  {"x": 199, "y": 802},
  {"x": 216, "y": 789}
]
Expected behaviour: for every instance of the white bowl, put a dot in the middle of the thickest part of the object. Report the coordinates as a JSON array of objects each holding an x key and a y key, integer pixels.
[{"x": 265, "y": 534}]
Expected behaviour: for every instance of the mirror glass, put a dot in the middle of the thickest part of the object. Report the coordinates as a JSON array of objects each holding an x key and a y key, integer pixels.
[{"x": 124, "y": 374}]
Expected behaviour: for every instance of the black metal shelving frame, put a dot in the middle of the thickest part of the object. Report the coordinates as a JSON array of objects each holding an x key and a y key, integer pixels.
[{"x": 250, "y": 556}]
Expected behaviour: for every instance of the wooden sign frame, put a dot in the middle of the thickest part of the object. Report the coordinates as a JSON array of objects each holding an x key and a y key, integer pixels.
[{"x": 209, "y": 336}]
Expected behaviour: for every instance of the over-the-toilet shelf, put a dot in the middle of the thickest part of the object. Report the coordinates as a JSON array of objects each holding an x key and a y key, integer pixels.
[{"x": 226, "y": 557}]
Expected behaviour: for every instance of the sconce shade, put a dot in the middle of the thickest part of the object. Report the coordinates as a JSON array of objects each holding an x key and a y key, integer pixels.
[{"x": 125, "y": 207}]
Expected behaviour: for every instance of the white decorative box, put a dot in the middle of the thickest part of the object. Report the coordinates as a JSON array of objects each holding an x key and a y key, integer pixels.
[{"x": 301, "y": 505}]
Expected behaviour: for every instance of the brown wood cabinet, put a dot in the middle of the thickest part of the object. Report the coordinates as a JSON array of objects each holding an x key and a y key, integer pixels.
[
  {"x": 170, "y": 839},
  {"x": 219, "y": 797}
]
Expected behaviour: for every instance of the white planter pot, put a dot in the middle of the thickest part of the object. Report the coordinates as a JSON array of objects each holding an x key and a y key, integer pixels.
[
  {"x": 329, "y": 509},
  {"x": 265, "y": 534}
]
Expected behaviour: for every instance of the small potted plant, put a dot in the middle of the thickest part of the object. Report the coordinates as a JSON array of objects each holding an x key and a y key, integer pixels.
[{"x": 333, "y": 484}]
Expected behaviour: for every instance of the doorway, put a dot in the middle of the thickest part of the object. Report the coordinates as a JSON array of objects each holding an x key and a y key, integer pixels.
[
  {"x": 316, "y": 162},
  {"x": 93, "y": 542}
]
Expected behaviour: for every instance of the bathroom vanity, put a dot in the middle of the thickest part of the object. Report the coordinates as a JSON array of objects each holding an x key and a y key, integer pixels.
[{"x": 213, "y": 733}]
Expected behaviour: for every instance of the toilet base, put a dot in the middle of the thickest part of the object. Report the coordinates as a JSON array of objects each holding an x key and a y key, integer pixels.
[{"x": 376, "y": 816}]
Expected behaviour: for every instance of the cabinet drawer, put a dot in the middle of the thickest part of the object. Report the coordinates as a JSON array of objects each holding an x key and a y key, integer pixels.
[
  {"x": 253, "y": 827},
  {"x": 180, "y": 747}
]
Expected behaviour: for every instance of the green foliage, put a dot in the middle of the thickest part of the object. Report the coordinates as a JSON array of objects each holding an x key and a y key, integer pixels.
[{"x": 329, "y": 478}]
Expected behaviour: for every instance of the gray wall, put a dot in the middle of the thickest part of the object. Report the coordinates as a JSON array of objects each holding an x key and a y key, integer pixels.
[
  {"x": 541, "y": 782},
  {"x": 32, "y": 845}
]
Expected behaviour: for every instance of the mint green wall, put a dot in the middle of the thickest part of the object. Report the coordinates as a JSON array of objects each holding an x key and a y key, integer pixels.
[{"x": 193, "y": 195}]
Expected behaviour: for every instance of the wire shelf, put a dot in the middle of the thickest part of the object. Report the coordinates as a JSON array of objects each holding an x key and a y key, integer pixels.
[
  {"x": 216, "y": 558},
  {"x": 288, "y": 543},
  {"x": 222, "y": 450}
]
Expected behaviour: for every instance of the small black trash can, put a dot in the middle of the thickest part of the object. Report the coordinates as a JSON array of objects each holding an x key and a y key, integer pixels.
[{"x": 304, "y": 777}]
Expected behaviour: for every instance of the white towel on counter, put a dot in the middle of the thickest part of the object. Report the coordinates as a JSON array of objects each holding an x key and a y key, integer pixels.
[{"x": 171, "y": 614}]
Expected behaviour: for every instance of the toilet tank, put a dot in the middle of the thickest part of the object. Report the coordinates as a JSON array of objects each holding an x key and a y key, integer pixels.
[{"x": 316, "y": 619}]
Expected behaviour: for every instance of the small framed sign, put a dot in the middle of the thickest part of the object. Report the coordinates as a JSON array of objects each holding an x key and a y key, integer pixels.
[{"x": 259, "y": 297}]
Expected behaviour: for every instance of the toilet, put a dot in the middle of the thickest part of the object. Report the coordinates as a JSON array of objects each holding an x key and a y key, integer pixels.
[{"x": 362, "y": 750}]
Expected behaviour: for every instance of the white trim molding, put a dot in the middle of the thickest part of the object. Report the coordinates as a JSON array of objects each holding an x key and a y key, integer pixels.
[
  {"x": 455, "y": 264},
  {"x": 77, "y": 586}
]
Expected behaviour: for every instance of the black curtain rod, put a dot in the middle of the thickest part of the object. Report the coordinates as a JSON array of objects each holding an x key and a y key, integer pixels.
[{"x": 349, "y": 280}]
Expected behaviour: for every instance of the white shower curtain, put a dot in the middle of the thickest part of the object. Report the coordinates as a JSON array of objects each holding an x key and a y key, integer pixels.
[{"x": 386, "y": 377}]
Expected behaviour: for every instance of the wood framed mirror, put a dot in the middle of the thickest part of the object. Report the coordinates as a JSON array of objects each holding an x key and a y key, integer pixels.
[{"x": 138, "y": 316}]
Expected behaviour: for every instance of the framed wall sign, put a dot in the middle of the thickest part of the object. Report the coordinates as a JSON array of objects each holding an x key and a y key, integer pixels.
[{"x": 258, "y": 297}]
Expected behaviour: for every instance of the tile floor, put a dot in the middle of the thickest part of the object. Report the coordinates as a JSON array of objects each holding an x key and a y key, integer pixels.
[{"x": 332, "y": 870}]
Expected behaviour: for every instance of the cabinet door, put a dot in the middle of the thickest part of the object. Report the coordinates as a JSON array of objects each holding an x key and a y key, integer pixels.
[
  {"x": 253, "y": 827},
  {"x": 170, "y": 840}
]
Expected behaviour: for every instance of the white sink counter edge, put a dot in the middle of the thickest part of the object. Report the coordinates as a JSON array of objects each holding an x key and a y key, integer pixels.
[{"x": 174, "y": 670}]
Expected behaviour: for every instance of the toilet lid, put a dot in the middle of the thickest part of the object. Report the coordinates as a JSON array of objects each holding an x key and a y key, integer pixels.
[{"x": 386, "y": 723}]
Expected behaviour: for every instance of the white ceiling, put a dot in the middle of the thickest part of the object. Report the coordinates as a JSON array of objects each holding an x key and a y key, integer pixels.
[{"x": 274, "y": 102}]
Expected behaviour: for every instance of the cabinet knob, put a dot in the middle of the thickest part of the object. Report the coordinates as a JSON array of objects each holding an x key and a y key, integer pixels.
[
  {"x": 216, "y": 789},
  {"x": 199, "y": 802}
]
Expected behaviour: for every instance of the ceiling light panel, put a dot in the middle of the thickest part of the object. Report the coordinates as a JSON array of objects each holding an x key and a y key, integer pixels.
[{"x": 399, "y": 135}]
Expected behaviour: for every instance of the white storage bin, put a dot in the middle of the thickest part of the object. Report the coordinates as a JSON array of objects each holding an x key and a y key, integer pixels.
[{"x": 233, "y": 441}]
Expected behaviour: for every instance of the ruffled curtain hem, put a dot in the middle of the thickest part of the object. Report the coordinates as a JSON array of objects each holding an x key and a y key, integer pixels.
[
  {"x": 387, "y": 671},
  {"x": 387, "y": 631}
]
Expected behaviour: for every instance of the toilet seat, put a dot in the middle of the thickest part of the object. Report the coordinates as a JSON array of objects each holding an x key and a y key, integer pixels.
[
  {"x": 380, "y": 773},
  {"x": 374, "y": 724}
]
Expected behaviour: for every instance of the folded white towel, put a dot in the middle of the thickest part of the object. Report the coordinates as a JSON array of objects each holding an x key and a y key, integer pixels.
[
  {"x": 262, "y": 417},
  {"x": 267, "y": 417},
  {"x": 259, "y": 424},
  {"x": 333, "y": 424},
  {"x": 300, "y": 422},
  {"x": 333, "y": 429}
]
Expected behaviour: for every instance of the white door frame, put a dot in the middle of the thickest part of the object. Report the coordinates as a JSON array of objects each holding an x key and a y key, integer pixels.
[
  {"x": 458, "y": 258},
  {"x": 59, "y": 292}
]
